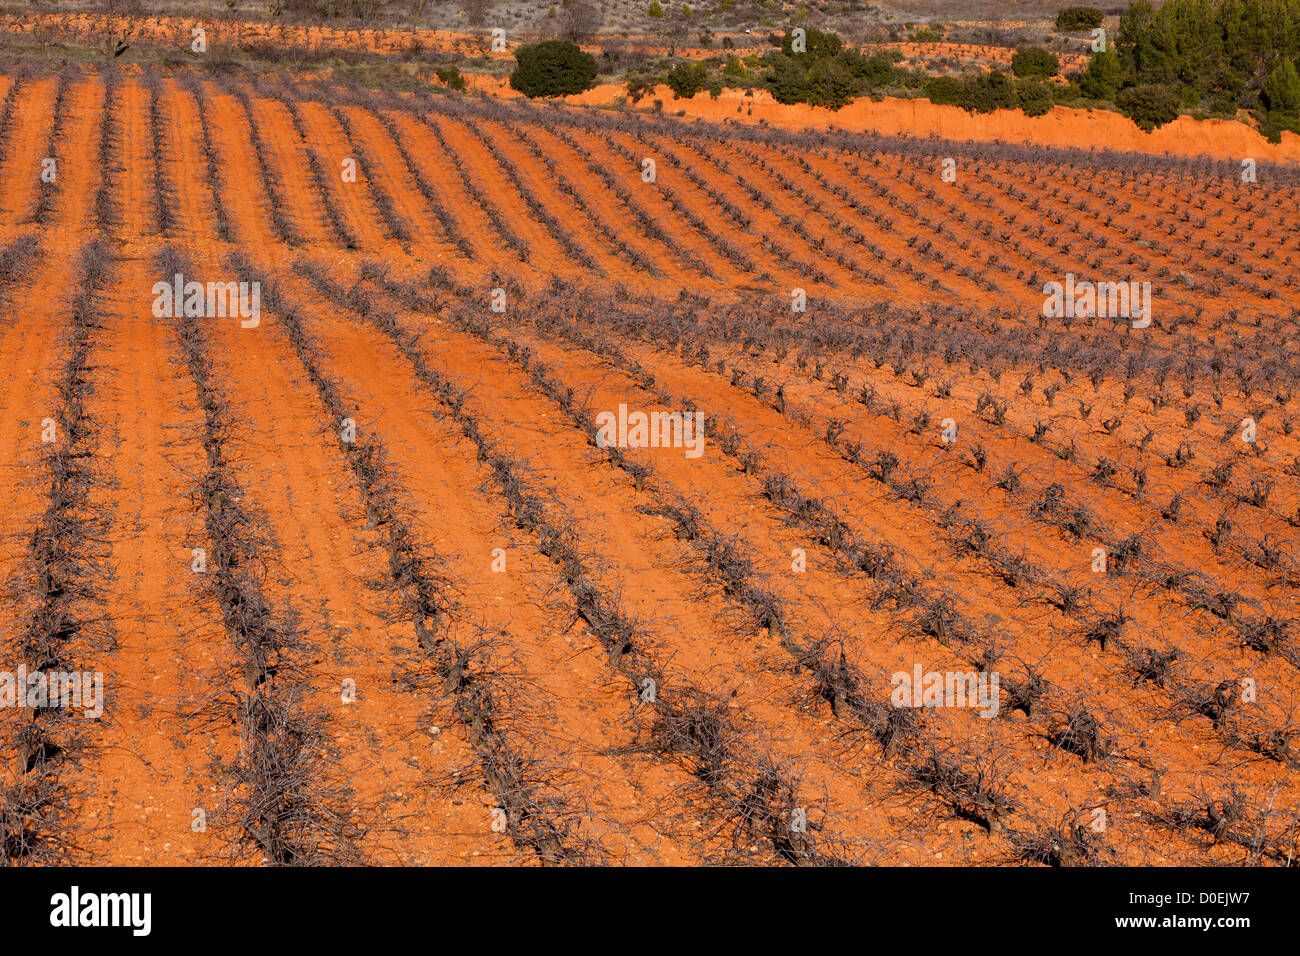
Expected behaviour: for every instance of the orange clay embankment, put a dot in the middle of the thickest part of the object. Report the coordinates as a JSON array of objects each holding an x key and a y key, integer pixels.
[{"x": 1061, "y": 127}]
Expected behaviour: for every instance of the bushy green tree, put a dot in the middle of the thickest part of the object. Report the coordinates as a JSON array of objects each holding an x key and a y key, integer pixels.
[
  {"x": 1034, "y": 97},
  {"x": 638, "y": 85},
  {"x": 825, "y": 74},
  {"x": 945, "y": 90},
  {"x": 1142, "y": 43},
  {"x": 819, "y": 43},
  {"x": 1103, "y": 76},
  {"x": 830, "y": 83},
  {"x": 656, "y": 10},
  {"x": 989, "y": 91},
  {"x": 553, "y": 68},
  {"x": 1150, "y": 105},
  {"x": 1207, "y": 44},
  {"x": 687, "y": 79},
  {"x": 450, "y": 75},
  {"x": 1282, "y": 91},
  {"x": 877, "y": 70},
  {"x": 1213, "y": 55},
  {"x": 787, "y": 79},
  {"x": 1074, "y": 19},
  {"x": 1035, "y": 62}
]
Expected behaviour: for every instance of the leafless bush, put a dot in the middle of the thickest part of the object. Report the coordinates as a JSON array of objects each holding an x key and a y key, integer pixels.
[
  {"x": 973, "y": 790},
  {"x": 1069, "y": 843},
  {"x": 1217, "y": 701},
  {"x": 34, "y": 808},
  {"x": 284, "y": 803},
  {"x": 1220, "y": 817},
  {"x": 68, "y": 76},
  {"x": 578, "y": 20},
  {"x": 1152, "y": 665},
  {"x": 475, "y": 11},
  {"x": 164, "y": 193},
  {"x": 840, "y": 683},
  {"x": 758, "y": 795},
  {"x": 1269, "y": 636},
  {"x": 1077, "y": 731}
]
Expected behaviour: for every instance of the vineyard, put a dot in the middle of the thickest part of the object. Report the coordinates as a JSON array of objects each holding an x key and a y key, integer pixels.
[{"x": 366, "y": 582}]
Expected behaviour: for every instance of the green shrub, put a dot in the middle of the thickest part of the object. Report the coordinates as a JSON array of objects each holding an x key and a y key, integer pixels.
[
  {"x": 1103, "y": 76},
  {"x": 1074, "y": 19},
  {"x": 1274, "y": 123},
  {"x": 1150, "y": 105},
  {"x": 1206, "y": 57},
  {"x": 734, "y": 68},
  {"x": 990, "y": 91},
  {"x": 553, "y": 68},
  {"x": 656, "y": 10},
  {"x": 787, "y": 79},
  {"x": 830, "y": 83},
  {"x": 820, "y": 44},
  {"x": 994, "y": 90},
  {"x": 450, "y": 75},
  {"x": 875, "y": 70},
  {"x": 1068, "y": 93},
  {"x": 1034, "y": 97},
  {"x": 946, "y": 91},
  {"x": 826, "y": 74},
  {"x": 1282, "y": 90},
  {"x": 1035, "y": 63},
  {"x": 687, "y": 79},
  {"x": 638, "y": 85}
]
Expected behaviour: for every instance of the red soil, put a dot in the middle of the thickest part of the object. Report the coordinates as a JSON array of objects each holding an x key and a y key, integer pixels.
[{"x": 825, "y": 445}]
